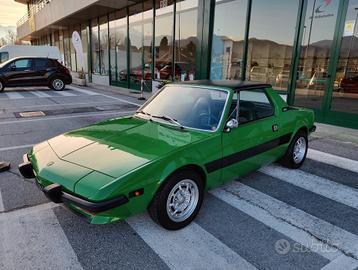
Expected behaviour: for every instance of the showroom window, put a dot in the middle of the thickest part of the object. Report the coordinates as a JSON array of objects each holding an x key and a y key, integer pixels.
[
  {"x": 118, "y": 47},
  {"x": 61, "y": 47},
  {"x": 228, "y": 39},
  {"x": 186, "y": 41},
  {"x": 147, "y": 39},
  {"x": 84, "y": 38},
  {"x": 95, "y": 47},
  {"x": 136, "y": 44},
  {"x": 103, "y": 31},
  {"x": 164, "y": 40},
  {"x": 318, "y": 35},
  {"x": 270, "y": 44},
  {"x": 66, "y": 45}
]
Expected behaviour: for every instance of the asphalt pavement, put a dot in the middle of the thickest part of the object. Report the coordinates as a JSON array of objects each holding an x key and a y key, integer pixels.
[{"x": 271, "y": 219}]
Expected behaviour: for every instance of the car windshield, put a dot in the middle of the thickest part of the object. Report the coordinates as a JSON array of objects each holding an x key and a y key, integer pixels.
[{"x": 187, "y": 107}]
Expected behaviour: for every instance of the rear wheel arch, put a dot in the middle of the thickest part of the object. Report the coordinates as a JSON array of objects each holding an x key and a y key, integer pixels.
[{"x": 303, "y": 129}]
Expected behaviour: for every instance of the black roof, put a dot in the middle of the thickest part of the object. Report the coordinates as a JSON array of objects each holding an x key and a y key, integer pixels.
[{"x": 235, "y": 85}]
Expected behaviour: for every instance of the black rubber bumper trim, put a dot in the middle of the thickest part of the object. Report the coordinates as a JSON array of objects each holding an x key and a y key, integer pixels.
[
  {"x": 54, "y": 193},
  {"x": 313, "y": 129},
  {"x": 26, "y": 169}
]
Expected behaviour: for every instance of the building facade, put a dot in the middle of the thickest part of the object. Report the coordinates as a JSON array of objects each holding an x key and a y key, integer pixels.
[{"x": 307, "y": 49}]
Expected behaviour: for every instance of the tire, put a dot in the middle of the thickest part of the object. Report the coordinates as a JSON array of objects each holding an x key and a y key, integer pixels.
[
  {"x": 2, "y": 86},
  {"x": 164, "y": 214},
  {"x": 296, "y": 152},
  {"x": 57, "y": 84}
]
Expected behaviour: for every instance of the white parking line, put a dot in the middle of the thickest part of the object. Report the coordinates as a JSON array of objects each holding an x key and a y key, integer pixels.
[
  {"x": 342, "y": 263},
  {"x": 40, "y": 94},
  {"x": 65, "y": 117},
  {"x": 328, "y": 233},
  {"x": 316, "y": 184},
  {"x": 66, "y": 94},
  {"x": 341, "y": 162},
  {"x": 107, "y": 96},
  {"x": 298, "y": 235},
  {"x": 87, "y": 92},
  {"x": 35, "y": 241},
  {"x": 188, "y": 248},
  {"x": 14, "y": 95}
]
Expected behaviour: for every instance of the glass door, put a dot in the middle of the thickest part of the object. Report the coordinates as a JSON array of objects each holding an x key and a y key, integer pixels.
[
  {"x": 345, "y": 89},
  {"x": 314, "y": 61}
]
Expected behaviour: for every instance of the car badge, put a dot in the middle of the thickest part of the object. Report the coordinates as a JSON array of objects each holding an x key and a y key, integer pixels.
[{"x": 50, "y": 163}]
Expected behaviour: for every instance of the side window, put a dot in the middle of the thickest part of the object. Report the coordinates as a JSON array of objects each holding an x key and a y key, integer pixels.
[
  {"x": 4, "y": 56},
  {"x": 22, "y": 64},
  {"x": 254, "y": 105},
  {"x": 41, "y": 64}
]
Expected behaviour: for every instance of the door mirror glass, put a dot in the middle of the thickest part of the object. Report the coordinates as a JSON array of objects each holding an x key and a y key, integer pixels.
[{"x": 232, "y": 123}]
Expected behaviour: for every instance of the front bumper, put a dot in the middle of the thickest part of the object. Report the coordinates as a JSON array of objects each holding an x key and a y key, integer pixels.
[{"x": 56, "y": 194}]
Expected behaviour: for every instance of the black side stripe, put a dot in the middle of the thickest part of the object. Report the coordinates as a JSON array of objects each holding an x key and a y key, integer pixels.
[{"x": 247, "y": 153}]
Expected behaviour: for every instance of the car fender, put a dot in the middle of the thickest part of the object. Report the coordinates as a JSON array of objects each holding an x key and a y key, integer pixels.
[{"x": 149, "y": 177}]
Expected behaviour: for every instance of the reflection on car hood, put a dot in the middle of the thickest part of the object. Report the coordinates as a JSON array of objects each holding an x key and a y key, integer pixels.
[{"x": 118, "y": 146}]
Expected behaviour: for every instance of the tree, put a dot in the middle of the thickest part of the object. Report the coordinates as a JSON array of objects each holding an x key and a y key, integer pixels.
[{"x": 10, "y": 38}]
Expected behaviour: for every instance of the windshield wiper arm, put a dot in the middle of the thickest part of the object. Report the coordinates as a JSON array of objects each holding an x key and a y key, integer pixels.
[{"x": 170, "y": 119}]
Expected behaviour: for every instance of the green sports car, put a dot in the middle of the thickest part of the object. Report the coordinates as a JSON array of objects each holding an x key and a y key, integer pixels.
[{"x": 187, "y": 139}]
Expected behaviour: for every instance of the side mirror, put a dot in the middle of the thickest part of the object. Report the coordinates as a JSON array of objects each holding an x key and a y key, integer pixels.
[
  {"x": 13, "y": 68},
  {"x": 231, "y": 124}
]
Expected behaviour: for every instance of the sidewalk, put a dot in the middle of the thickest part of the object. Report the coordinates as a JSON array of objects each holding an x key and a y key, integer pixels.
[
  {"x": 336, "y": 133},
  {"x": 119, "y": 90}
]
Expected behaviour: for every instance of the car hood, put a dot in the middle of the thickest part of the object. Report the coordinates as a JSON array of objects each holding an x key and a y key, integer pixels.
[{"x": 118, "y": 146}]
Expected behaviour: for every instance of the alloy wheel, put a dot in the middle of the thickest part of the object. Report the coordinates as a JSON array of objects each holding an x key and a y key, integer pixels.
[
  {"x": 182, "y": 200},
  {"x": 57, "y": 84},
  {"x": 299, "y": 150}
]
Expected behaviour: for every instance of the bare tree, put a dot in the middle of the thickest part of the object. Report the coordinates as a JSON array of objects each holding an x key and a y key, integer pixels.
[{"x": 10, "y": 38}]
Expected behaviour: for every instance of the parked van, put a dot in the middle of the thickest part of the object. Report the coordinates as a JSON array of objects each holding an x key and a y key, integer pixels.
[{"x": 11, "y": 51}]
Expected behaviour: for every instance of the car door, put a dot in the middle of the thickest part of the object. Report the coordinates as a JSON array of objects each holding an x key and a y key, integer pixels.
[
  {"x": 20, "y": 72},
  {"x": 41, "y": 69},
  {"x": 256, "y": 140}
]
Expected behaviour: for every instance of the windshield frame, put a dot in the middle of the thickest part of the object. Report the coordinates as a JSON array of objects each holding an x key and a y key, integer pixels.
[{"x": 205, "y": 87}]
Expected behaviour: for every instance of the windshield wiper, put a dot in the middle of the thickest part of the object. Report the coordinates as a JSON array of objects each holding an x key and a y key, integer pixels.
[
  {"x": 169, "y": 119},
  {"x": 163, "y": 117},
  {"x": 145, "y": 113}
]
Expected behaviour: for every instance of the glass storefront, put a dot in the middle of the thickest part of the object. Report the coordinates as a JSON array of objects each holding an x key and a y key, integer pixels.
[
  {"x": 163, "y": 40},
  {"x": 136, "y": 45},
  {"x": 228, "y": 39},
  {"x": 307, "y": 49},
  {"x": 345, "y": 91},
  {"x": 118, "y": 47},
  {"x": 103, "y": 39},
  {"x": 270, "y": 44},
  {"x": 95, "y": 50},
  {"x": 186, "y": 40},
  {"x": 318, "y": 32}
]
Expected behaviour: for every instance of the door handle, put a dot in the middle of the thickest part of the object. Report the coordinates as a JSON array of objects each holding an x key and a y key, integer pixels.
[
  {"x": 27, "y": 70},
  {"x": 274, "y": 127}
]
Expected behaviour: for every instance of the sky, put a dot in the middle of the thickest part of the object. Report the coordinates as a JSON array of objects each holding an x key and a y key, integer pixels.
[{"x": 10, "y": 13}]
